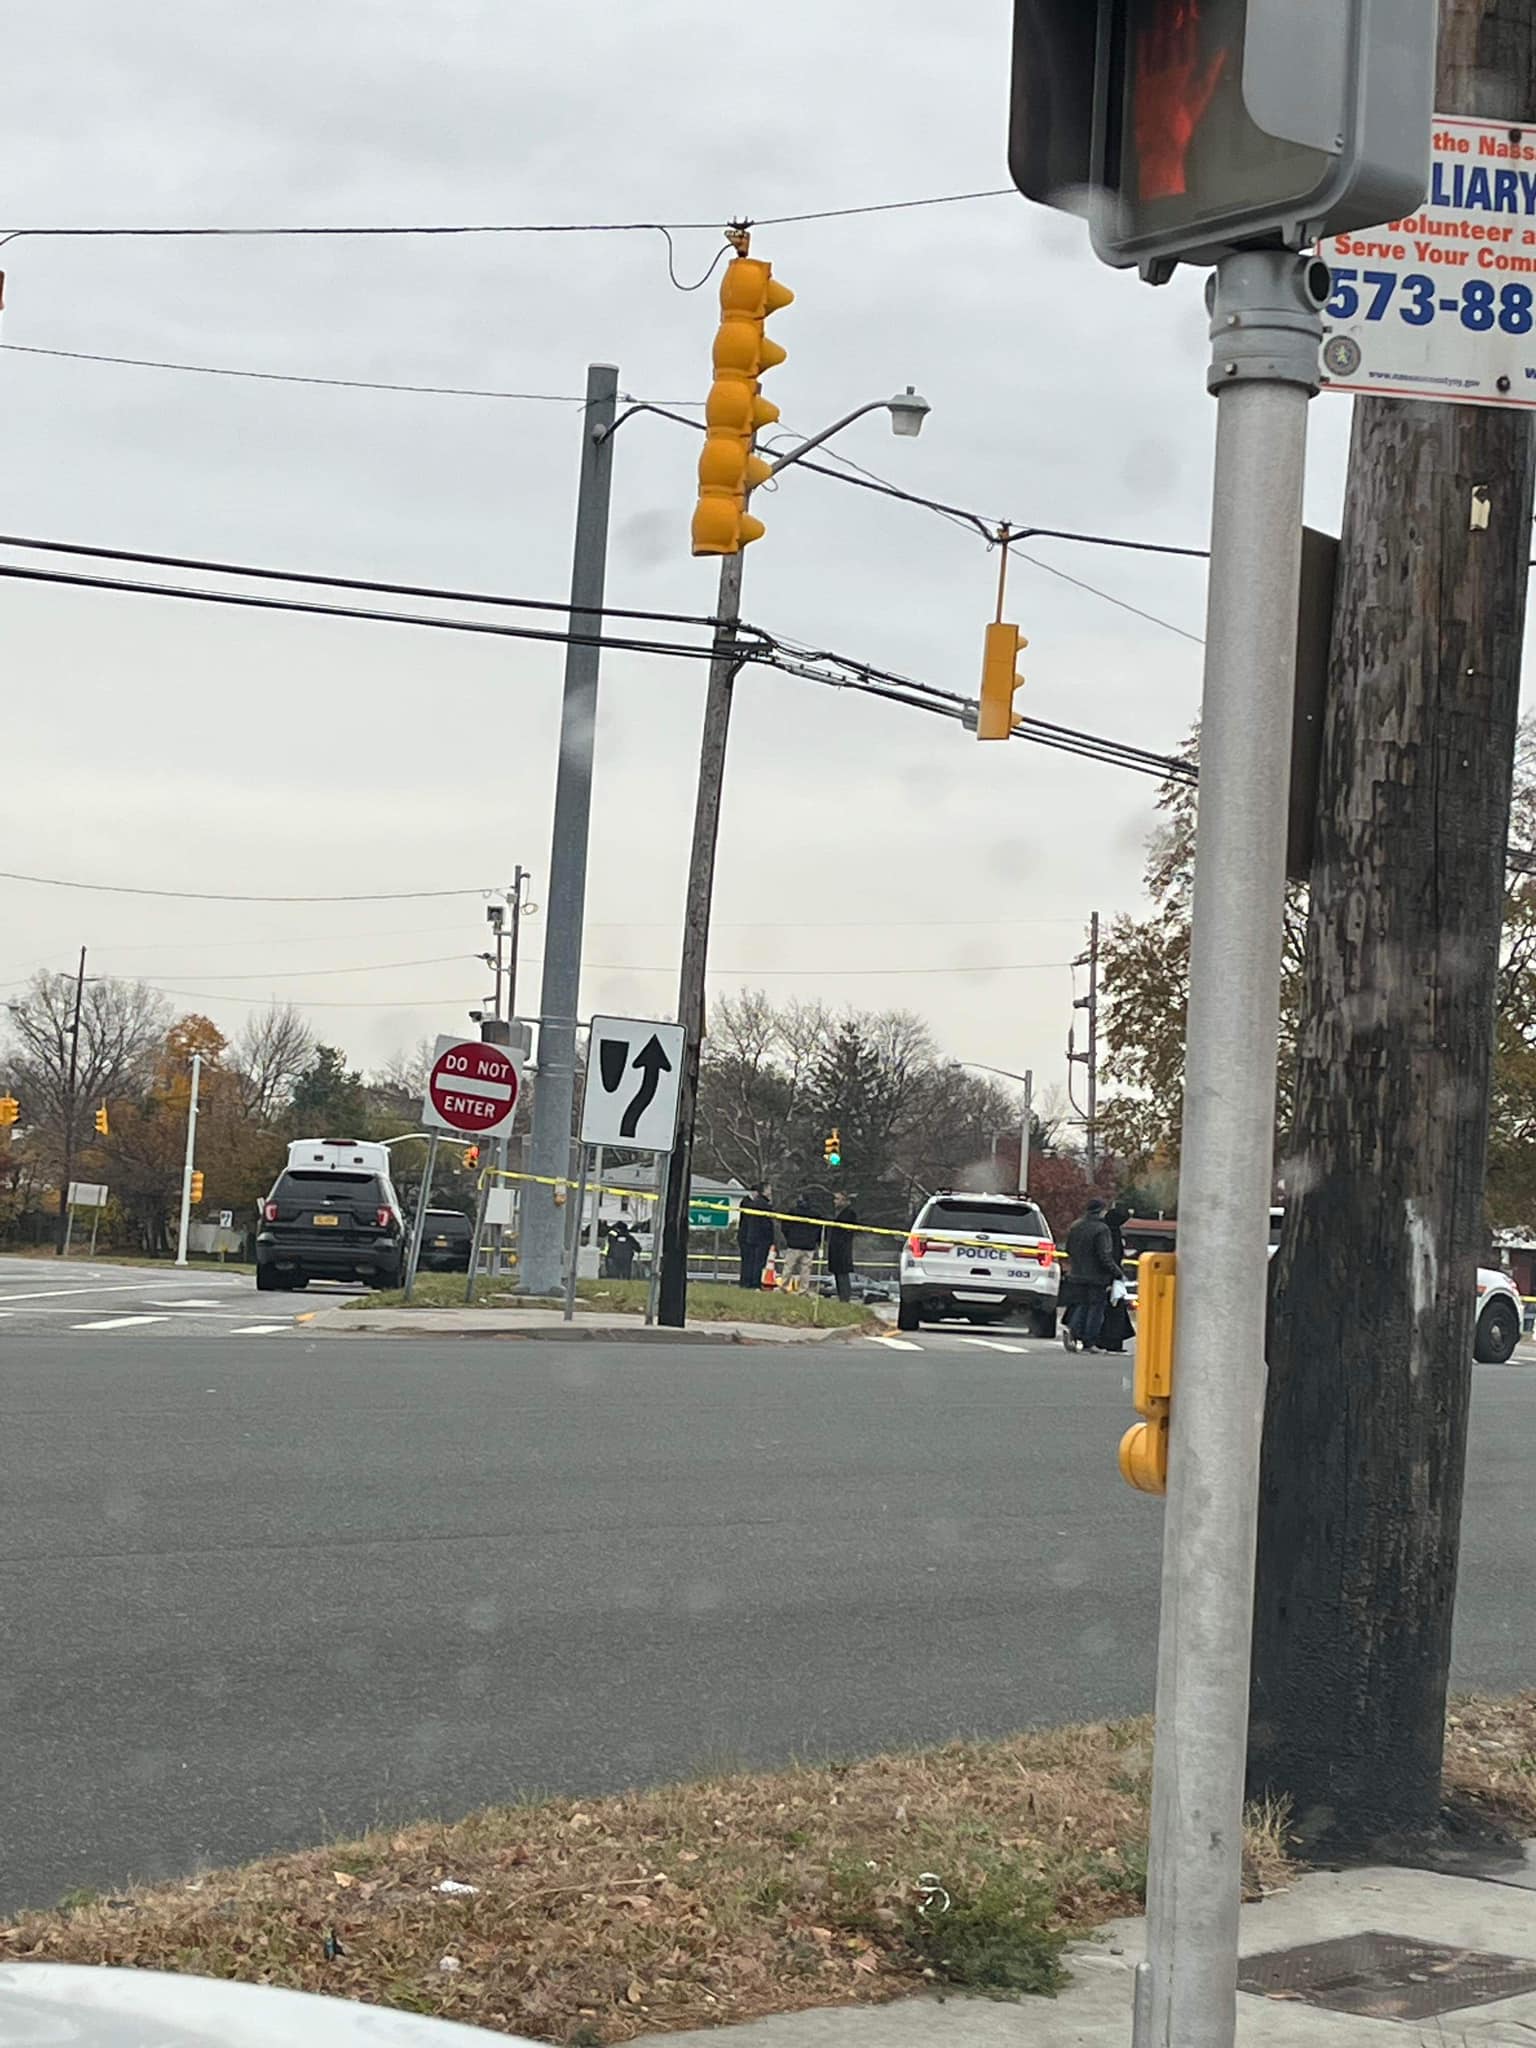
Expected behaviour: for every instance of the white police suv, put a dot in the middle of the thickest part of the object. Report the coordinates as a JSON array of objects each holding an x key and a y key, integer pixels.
[{"x": 984, "y": 1257}]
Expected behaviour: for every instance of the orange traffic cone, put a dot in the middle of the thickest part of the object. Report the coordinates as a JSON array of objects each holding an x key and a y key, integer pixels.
[{"x": 770, "y": 1272}]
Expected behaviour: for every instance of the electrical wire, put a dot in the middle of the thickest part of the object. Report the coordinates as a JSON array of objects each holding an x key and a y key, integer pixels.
[
  {"x": 434, "y": 591},
  {"x": 591, "y": 227},
  {"x": 307, "y": 973},
  {"x": 248, "y": 600},
  {"x": 217, "y": 896}
]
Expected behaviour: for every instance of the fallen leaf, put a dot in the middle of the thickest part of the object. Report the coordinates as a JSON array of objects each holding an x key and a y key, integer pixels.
[{"x": 344, "y": 1878}]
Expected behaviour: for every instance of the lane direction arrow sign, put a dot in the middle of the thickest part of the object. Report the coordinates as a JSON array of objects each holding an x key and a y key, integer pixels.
[{"x": 634, "y": 1071}]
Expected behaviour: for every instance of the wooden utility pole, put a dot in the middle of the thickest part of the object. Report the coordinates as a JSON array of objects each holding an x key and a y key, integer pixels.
[{"x": 1370, "y": 1351}]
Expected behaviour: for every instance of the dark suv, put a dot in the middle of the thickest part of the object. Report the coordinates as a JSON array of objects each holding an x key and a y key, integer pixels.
[
  {"x": 329, "y": 1226},
  {"x": 445, "y": 1241}
]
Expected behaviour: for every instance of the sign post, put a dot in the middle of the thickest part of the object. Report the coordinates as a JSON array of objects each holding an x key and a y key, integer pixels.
[
  {"x": 1226, "y": 133},
  {"x": 419, "y": 1221},
  {"x": 472, "y": 1091},
  {"x": 634, "y": 1082}
]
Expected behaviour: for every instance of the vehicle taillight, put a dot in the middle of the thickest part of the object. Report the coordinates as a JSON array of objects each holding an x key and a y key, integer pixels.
[
  {"x": 384, "y": 1218},
  {"x": 917, "y": 1246},
  {"x": 269, "y": 1211},
  {"x": 1047, "y": 1255}
]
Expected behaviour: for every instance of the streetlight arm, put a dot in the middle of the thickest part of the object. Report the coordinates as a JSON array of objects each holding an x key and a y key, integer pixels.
[{"x": 816, "y": 440}]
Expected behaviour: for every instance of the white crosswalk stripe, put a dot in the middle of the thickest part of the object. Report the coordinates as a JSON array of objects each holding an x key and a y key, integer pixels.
[
  {"x": 992, "y": 1344},
  {"x": 261, "y": 1330},
  {"x": 896, "y": 1343},
  {"x": 121, "y": 1323}
]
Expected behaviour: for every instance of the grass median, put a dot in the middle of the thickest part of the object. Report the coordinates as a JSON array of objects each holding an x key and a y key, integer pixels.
[
  {"x": 709, "y": 1301},
  {"x": 591, "y": 1921}
]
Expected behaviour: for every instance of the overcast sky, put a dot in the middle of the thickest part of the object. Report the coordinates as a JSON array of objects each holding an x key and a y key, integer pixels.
[{"x": 870, "y": 855}]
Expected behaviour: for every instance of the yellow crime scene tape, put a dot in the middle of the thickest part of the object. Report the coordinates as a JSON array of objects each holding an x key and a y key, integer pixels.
[{"x": 567, "y": 1184}]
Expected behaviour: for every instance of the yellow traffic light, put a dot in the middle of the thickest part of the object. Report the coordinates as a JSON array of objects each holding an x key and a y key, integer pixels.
[
  {"x": 10, "y": 1109},
  {"x": 197, "y": 1186},
  {"x": 999, "y": 682},
  {"x": 1144, "y": 1449},
  {"x": 736, "y": 408},
  {"x": 103, "y": 1127}
]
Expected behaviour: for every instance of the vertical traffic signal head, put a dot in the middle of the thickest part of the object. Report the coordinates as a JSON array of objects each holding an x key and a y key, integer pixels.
[
  {"x": 471, "y": 1155},
  {"x": 103, "y": 1127},
  {"x": 736, "y": 408},
  {"x": 197, "y": 1185},
  {"x": 999, "y": 682},
  {"x": 10, "y": 1109},
  {"x": 832, "y": 1150}
]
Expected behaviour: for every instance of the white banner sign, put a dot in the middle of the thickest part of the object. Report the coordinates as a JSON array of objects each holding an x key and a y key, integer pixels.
[
  {"x": 87, "y": 1194},
  {"x": 1442, "y": 305}
]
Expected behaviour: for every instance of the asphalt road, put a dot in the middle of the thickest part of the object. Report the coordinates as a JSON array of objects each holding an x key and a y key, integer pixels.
[{"x": 262, "y": 1590}]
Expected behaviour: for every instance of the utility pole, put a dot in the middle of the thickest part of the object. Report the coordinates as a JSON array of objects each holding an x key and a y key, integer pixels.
[
  {"x": 1090, "y": 1058},
  {"x": 554, "y": 1097},
  {"x": 69, "y": 1110},
  {"x": 519, "y": 891},
  {"x": 1374, "y": 1292},
  {"x": 1026, "y": 1129},
  {"x": 189, "y": 1164},
  {"x": 672, "y": 1299}
]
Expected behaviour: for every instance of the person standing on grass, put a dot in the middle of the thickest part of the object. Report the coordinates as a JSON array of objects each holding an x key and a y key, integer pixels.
[
  {"x": 754, "y": 1237},
  {"x": 840, "y": 1246},
  {"x": 1091, "y": 1272},
  {"x": 802, "y": 1240},
  {"x": 623, "y": 1246}
]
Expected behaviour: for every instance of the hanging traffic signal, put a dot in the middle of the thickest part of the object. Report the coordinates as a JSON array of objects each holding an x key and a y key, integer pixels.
[
  {"x": 832, "y": 1149},
  {"x": 736, "y": 408},
  {"x": 197, "y": 1186},
  {"x": 1000, "y": 681},
  {"x": 10, "y": 1109},
  {"x": 103, "y": 1128},
  {"x": 1187, "y": 128},
  {"x": 471, "y": 1155}
]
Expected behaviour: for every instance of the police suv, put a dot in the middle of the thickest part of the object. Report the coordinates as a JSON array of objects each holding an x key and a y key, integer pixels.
[{"x": 984, "y": 1257}]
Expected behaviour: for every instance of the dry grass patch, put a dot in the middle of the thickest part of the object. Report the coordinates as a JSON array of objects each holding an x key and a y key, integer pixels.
[
  {"x": 596, "y": 1920},
  {"x": 1490, "y": 1760}
]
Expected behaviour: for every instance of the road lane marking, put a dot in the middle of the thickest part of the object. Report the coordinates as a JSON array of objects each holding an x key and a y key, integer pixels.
[
  {"x": 896, "y": 1343},
  {"x": 54, "y": 1293},
  {"x": 120, "y": 1323},
  {"x": 259, "y": 1330},
  {"x": 992, "y": 1344},
  {"x": 190, "y": 1304}
]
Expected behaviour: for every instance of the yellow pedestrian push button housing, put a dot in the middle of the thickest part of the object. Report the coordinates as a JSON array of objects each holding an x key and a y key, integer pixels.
[{"x": 1144, "y": 1449}]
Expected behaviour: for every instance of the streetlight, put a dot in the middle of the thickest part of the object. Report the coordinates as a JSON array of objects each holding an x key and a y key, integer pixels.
[
  {"x": 1027, "y": 1125},
  {"x": 907, "y": 411}
]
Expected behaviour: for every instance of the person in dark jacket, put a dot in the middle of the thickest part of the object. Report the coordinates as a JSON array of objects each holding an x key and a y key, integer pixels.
[
  {"x": 754, "y": 1237},
  {"x": 802, "y": 1239},
  {"x": 1091, "y": 1272},
  {"x": 623, "y": 1247},
  {"x": 840, "y": 1247},
  {"x": 1118, "y": 1327}
]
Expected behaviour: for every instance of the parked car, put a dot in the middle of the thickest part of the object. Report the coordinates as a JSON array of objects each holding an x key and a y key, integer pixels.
[
  {"x": 445, "y": 1241},
  {"x": 321, "y": 1224},
  {"x": 985, "y": 1257}
]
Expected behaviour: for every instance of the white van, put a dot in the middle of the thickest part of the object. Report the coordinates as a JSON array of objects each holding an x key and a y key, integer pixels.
[{"x": 338, "y": 1155}]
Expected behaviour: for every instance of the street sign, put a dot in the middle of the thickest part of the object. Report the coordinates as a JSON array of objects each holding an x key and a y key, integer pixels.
[
  {"x": 709, "y": 1214},
  {"x": 226, "y": 1219},
  {"x": 1442, "y": 304},
  {"x": 472, "y": 1088},
  {"x": 1184, "y": 129},
  {"x": 87, "y": 1194},
  {"x": 634, "y": 1074}
]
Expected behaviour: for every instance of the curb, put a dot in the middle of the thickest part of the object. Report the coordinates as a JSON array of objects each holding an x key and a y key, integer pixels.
[{"x": 320, "y": 1323}]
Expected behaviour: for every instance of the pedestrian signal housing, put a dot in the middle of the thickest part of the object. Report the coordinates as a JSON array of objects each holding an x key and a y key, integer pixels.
[
  {"x": 1144, "y": 1449},
  {"x": 1185, "y": 129}
]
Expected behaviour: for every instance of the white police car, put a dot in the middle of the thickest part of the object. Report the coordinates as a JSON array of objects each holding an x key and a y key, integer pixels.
[
  {"x": 1500, "y": 1317},
  {"x": 984, "y": 1257}
]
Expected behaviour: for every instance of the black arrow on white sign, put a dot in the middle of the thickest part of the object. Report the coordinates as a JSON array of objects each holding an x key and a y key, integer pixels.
[{"x": 650, "y": 1063}]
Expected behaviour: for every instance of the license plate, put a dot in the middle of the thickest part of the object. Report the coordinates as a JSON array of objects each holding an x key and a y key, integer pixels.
[
  {"x": 439, "y": 1244},
  {"x": 326, "y": 1222}
]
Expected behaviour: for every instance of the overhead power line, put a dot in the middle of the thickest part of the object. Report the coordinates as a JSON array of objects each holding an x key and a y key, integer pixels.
[
  {"x": 221, "y": 896},
  {"x": 80, "y": 355},
  {"x": 587, "y": 227}
]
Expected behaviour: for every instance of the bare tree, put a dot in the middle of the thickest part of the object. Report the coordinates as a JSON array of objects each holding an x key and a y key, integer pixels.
[
  {"x": 406, "y": 1073},
  {"x": 273, "y": 1049},
  {"x": 122, "y": 1024}
]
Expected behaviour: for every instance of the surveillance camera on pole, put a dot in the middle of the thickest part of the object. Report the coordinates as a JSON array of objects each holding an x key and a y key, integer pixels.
[{"x": 1234, "y": 133}]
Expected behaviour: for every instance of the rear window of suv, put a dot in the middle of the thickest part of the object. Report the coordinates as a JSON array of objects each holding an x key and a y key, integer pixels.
[
  {"x": 355, "y": 1190},
  {"x": 992, "y": 1219}
]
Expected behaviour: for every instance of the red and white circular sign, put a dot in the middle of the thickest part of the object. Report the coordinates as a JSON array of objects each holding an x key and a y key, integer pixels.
[{"x": 473, "y": 1088}]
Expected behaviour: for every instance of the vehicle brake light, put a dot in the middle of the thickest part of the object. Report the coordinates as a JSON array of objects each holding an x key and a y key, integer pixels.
[
  {"x": 917, "y": 1246},
  {"x": 270, "y": 1212},
  {"x": 384, "y": 1218},
  {"x": 1047, "y": 1255}
]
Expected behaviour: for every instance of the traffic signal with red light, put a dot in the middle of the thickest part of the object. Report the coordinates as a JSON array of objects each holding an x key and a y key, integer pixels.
[
  {"x": 471, "y": 1155},
  {"x": 103, "y": 1126},
  {"x": 197, "y": 1186},
  {"x": 736, "y": 408},
  {"x": 10, "y": 1109},
  {"x": 1187, "y": 128},
  {"x": 999, "y": 682}
]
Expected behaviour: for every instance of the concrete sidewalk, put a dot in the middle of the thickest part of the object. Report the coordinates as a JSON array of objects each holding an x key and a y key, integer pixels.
[
  {"x": 1458, "y": 1939},
  {"x": 548, "y": 1326}
]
